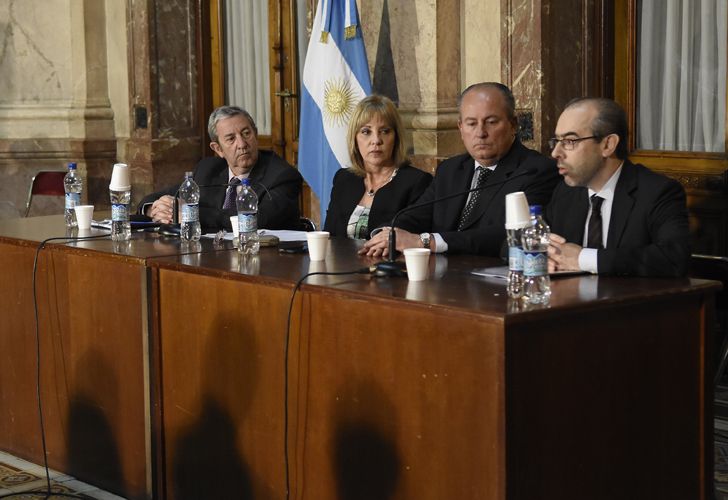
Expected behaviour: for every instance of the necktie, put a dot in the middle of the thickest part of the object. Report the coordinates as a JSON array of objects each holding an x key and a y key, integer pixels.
[
  {"x": 231, "y": 194},
  {"x": 594, "y": 236},
  {"x": 483, "y": 174}
]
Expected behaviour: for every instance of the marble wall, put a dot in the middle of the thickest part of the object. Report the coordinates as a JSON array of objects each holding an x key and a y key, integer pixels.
[
  {"x": 421, "y": 54},
  {"x": 54, "y": 100},
  {"x": 96, "y": 82},
  {"x": 99, "y": 81}
]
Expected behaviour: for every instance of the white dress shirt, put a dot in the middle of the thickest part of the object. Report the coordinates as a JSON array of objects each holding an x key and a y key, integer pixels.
[{"x": 588, "y": 256}]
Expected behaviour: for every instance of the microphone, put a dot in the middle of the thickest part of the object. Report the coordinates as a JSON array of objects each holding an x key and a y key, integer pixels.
[{"x": 390, "y": 267}]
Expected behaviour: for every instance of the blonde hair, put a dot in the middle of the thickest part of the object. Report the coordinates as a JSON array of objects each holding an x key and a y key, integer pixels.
[{"x": 383, "y": 107}]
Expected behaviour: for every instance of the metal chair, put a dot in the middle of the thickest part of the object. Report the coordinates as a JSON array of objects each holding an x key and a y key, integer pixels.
[
  {"x": 715, "y": 267},
  {"x": 306, "y": 224},
  {"x": 47, "y": 183}
]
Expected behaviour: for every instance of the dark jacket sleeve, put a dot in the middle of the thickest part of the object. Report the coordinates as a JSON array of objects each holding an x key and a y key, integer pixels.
[
  {"x": 279, "y": 193},
  {"x": 488, "y": 236},
  {"x": 278, "y": 186},
  {"x": 151, "y": 198},
  {"x": 666, "y": 248},
  {"x": 348, "y": 188}
]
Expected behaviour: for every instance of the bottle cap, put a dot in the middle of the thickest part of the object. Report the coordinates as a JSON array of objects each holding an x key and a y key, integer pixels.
[
  {"x": 188, "y": 174},
  {"x": 246, "y": 182},
  {"x": 72, "y": 166},
  {"x": 120, "y": 178},
  {"x": 535, "y": 209}
]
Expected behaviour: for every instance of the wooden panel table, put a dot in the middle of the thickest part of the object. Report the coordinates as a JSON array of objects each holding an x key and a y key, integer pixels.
[
  {"x": 93, "y": 317},
  {"x": 431, "y": 390}
]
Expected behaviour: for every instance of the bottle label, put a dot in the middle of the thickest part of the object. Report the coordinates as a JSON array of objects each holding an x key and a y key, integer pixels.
[
  {"x": 535, "y": 264},
  {"x": 119, "y": 212},
  {"x": 247, "y": 222},
  {"x": 190, "y": 212},
  {"x": 515, "y": 258},
  {"x": 72, "y": 199}
]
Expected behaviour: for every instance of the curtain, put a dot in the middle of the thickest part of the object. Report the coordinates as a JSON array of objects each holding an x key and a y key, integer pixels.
[
  {"x": 247, "y": 61},
  {"x": 681, "y": 82}
]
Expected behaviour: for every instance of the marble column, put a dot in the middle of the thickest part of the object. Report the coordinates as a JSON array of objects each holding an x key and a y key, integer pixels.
[
  {"x": 54, "y": 100},
  {"x": 415, "y": 58}
]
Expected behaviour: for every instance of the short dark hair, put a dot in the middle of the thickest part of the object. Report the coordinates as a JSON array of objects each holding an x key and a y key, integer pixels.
[
  {"x": 505, "y": 91},
  {"x": 226, "y": 112},
  {"x": 610, "y": 119}
]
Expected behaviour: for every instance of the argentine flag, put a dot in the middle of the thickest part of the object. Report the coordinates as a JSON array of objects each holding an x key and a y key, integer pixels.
[{"x": 335, "y": 79}]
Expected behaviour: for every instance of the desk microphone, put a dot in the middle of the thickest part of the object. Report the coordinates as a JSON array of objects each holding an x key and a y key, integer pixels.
[{"x": 390, "y": 267}]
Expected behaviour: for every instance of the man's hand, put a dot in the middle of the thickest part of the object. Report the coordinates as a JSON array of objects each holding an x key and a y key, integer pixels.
[
  {"x": 378, "y": 246},
  {"x": 161, "y": 210},
  {"x": 563, "y": 256}
]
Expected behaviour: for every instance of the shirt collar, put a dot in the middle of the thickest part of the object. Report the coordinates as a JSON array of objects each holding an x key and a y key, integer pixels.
[
  {"x": 607, "y": 191},
  {"x": 477, "y": 164},
  {"x": 231, "y": 175}
]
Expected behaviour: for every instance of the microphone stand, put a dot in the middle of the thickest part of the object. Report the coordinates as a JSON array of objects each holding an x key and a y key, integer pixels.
[{"x": 390, "y": 267}]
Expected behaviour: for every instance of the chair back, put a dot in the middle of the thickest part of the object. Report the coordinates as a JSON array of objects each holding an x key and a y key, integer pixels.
[{"x": 46, "y": 183}]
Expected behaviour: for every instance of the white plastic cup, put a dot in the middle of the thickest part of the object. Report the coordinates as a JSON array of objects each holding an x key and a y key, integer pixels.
[
  {"x": 120, "y": 178},
  {"x": 417, "y": 260},
  {"x": 236, "y": 227},
  {"x": 517, "y": 214},
  {"x": 318, "y": 244},
  {"x": 84, "y": 214}
]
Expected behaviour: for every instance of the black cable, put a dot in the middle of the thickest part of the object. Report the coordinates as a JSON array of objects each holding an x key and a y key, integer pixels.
[
  {"x": 364, "y": 270},
  {"x": 47, "y": 493}
]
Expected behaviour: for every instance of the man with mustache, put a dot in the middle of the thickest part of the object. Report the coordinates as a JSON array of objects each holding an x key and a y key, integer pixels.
[
  {"x": 234, "y": 139},
  {"x": 610, "y": 216},
  {"x": 474, "y": 223}
]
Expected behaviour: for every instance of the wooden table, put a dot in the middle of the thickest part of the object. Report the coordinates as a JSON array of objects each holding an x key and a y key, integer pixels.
[
  {"x": 94, "y": 364},
  {"x": 432, "y": 390}
]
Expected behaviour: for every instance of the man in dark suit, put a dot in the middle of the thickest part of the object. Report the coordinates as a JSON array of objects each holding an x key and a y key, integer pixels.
[
  {"x": 610, "y": 215},
  {"x": 474, "y": 224},
  {"x": 234, "y": 139}
]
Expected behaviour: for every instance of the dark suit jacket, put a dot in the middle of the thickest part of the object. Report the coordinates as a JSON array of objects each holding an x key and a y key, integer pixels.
[
  {"x": 348, "y": 189},
  {"x": 277, "y": 184},
  {"x": 648, "y": 230},
  {"x": 485, "y": 233}
]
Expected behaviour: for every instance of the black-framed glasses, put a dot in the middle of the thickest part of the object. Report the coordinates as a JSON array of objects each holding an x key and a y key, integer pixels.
[{"x": 570, "y": 144}]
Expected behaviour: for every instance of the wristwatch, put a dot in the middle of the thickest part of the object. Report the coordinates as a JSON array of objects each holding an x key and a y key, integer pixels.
[{"x": 425, "y": 239}]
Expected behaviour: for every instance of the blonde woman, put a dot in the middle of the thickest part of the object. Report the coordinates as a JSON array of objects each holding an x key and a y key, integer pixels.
[{"x": 379, "y": 182}]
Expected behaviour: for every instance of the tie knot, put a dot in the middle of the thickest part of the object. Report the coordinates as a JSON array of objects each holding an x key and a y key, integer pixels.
[
  {"x": 481, "y": 174},
  {"x": 596, "y": 202},
  {"x": 234, "y": 181}
]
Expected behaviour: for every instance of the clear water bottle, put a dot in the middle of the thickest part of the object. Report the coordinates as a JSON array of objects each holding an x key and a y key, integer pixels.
[
  {"x": 73, "y": 185},
  {"x": 189, "y": 193},
  {"x": 535, "y": 240},
  {"x": 515, "y": 264},
  {"x": 120, "y": 226},
  {"x": 247, "y": 204}
]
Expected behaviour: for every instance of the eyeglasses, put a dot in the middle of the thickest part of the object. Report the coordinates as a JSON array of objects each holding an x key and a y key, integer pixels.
[{"x": 570, "y": 144}]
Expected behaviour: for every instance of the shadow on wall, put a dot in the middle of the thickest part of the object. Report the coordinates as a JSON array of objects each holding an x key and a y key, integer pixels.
[
  {"x": 384, "y": 79},
  {"x": 365, "y": 459},
  {"x": 93, "y": 454},
  {"x": 208, "y": 462}
]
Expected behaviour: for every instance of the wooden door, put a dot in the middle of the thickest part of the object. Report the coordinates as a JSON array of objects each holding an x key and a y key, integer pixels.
[{"x": 281, "y": 134}]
